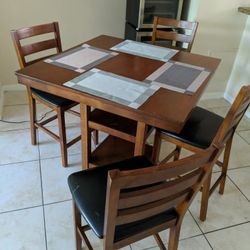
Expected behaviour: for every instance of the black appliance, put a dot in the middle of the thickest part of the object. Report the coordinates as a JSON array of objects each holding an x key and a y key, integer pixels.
[{"x": 140, "y": 15}]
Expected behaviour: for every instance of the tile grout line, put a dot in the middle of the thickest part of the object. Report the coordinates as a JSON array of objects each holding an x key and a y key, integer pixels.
[
  {"x": 45, "y": 158},
  {"x": 224, "y": 228},
  {"x": 19, "y": 162},
  {"x": 19, "y": 209},
  {"x": 238, "y": 168},
  {"x": 56, "y": 202},
  {"x": 237, "y": 132},
  {"x": 15, "y": 130},
  {"x": 238, "y": 188},
  {"x": 42, "y": 194},
  {"x": 201, "y": 230}
]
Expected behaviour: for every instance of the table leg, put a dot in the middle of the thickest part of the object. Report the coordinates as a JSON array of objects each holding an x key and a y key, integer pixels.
[
  {"x": 140, "y": 138},
  {"x": 86, "y": 135}
]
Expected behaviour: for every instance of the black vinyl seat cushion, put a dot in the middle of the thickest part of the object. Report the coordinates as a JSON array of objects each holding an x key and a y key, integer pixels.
[
  {"x": 88, "y": 189},
  {"x": 200, "y": 129},
  {"x": 52, "y": 99}
]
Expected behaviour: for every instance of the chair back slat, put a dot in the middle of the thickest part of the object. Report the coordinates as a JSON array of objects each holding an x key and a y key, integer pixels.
[
  {"x": 234, "y": 116},
  {"x": 158, "y": 191},
  {"x": 36, "y": 30},
  {"x": 178, "y": 31},
  {"x": 24, "y": 50},
  {"x": 130, "y": 215},
  {"x": 173, "y": 36},
  {"x": 168, "y": 22},
  {"x": 152, "y": 175},
  {"x": 39, "y": 46},
  {"x": 139, "y": 194}
]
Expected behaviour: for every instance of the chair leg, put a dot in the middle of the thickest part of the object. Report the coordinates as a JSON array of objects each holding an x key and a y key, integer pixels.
[
  {"x": 177, "y": 153},
  {"x": 225, "y": 165},
  {"x": 32, "y": 109},
  {"x": 174, "y": 235},
  {"x": 159, "y": 242},
  {"x": 205, "y": 197},
  {"x": 62, "y": 135},
  {"x": 156, "y": 148},
  {"x": 77, "y": 218},
  {"x": 95, "y": 137}
]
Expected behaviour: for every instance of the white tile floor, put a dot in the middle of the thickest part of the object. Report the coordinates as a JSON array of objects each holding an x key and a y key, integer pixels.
[{"x": 35, "y": 203}]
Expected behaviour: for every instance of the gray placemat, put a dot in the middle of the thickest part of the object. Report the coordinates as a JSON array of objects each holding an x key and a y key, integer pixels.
[
  {"x": 180, "y": 77},
  {"x": 145, "y": 50},
  {"x": 113, "y": 87},
  {"x": 82, "y": 58}
]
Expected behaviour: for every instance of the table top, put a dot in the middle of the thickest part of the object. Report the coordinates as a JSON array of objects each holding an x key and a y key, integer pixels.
[{"x": 165, "y": 109}]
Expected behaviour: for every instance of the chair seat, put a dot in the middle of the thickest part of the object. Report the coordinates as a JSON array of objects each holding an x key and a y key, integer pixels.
[
  {"x": 200, "y": 129},
  {"x": 92, "y": 203},
  {"x": 52, "y": 99}
]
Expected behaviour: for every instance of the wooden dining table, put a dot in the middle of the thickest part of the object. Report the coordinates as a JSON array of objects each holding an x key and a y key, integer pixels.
[{"x": 165, "y": 109}]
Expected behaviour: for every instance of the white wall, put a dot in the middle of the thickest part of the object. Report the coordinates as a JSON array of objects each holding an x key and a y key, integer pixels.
[
  {"x": 79, "y": 21},
  {"x": 241, "y": 70},
  {"x": 219, "y": 34}
]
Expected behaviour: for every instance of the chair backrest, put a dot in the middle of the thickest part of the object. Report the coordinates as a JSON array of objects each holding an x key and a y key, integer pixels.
[
  {"x": 139, "y": 194},
  {"x": 179, "y": 32},
  {"x": 233, "y": 117},
  {"x": 25, "y": 50}
]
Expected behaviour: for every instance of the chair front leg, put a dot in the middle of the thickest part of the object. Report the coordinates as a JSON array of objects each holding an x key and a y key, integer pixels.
[
  {"x": 32, "y": 110},
  {"x": 205, "y": 197},
  {"x": 77, "y": 219},
  {"x": 174, "y": 235}
]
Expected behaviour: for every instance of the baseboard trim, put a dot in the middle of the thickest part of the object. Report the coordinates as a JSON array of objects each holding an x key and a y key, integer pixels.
[
  {"x": 13, "y": 87},
  {"x": 6, "y": 88},
  {"x": 1, "y": 101},
  {"x": 212, "y": 95},
  {"x": 228, "y": 97}
]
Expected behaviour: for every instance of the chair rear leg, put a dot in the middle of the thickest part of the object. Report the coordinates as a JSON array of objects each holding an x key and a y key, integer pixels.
[
  {"x": 62, "y": 135},
  {"x": 225, "y": 165},
  {"x": 174, "y": 235},
  {"x": 95, "y": 137}
]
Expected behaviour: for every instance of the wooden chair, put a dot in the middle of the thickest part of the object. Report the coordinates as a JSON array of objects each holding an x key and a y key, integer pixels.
[
  {"x": 202, "y": 130},
  {"x": 130, "y": 200},
  {"x": 56, "y": 103},
  {"x": 99, "y": 120},
  {"x": 178, "y": 32}
]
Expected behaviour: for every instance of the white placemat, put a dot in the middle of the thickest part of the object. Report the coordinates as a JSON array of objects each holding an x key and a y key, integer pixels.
[
  {"x": 113, "y": 87},
  {"x": 145, "y": 50},
  {"x": 82, "y": 58}
]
